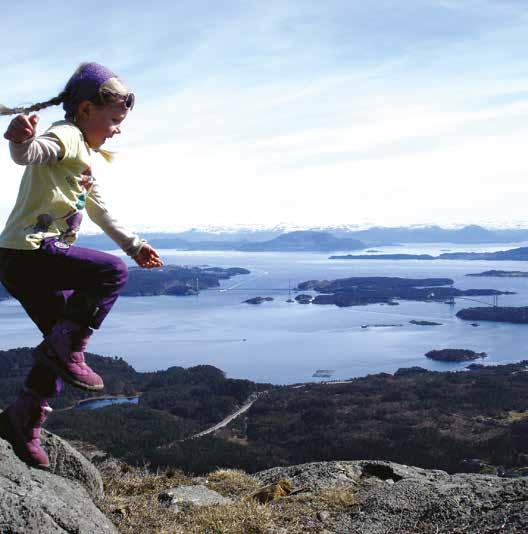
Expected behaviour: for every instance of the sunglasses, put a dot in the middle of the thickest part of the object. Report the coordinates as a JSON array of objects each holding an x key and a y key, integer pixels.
[{"x": 128, "y": 100}]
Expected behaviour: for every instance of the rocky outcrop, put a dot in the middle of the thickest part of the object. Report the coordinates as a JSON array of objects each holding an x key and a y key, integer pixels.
[
  {"x": 60, "y": 500},
  {"x": 397, "y": 498}
]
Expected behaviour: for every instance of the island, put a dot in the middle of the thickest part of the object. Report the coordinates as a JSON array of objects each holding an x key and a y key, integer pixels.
[
  {"x": 303, "y": 298},
  {"x": 516, "y": 254},
  {"x": 323, "y": 373},
  {"x": 379, "y": 325},
  {"x": 501, "y": 274},
  {"x": 498, "y": 314},
  {"x": 357, "y": 291},
  {"x": 258, "y": 300},
  {"x": 176, "y": 280},
  {"x": 425, "y": 323},
  {"x": 455, "y": 355}
]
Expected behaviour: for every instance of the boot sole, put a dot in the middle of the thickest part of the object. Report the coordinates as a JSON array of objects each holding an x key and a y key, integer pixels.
[
  {"x": 41, "y": 354},
  {"x": 8, "y": 433}
]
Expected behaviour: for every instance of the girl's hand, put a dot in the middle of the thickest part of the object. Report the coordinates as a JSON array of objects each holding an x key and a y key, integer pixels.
[
  {"x": 148, "y": 258},
  {"x": 22, "y": 128}
]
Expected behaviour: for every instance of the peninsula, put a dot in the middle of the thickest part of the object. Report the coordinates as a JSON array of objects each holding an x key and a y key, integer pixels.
[{"x": 176, "y": 280}]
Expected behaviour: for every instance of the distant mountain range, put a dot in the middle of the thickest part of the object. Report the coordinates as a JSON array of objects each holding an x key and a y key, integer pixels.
[
  {"x": 301, "y": 241},
  {"x": 304, "y": 241},
  {"x": 335, "y": 239},
  {"x": 435, "y": 234}
]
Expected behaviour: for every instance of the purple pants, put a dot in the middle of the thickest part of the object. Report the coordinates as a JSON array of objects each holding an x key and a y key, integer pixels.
[{"x": 59, "y": 282}]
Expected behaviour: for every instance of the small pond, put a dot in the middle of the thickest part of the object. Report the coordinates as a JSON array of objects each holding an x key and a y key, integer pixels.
[{"x": 94, "y": 404}]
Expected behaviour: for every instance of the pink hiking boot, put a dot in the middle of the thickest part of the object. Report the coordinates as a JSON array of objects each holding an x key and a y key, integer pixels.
[
  {"x": 63, "y": 351},
  {"x": 21, "y": 425}
]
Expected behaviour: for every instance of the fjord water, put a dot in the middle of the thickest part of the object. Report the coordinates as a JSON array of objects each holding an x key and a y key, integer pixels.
[{"x": 280, "y": 342}]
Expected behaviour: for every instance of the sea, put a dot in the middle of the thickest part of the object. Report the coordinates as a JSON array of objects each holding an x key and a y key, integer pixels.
[{"x": 284, "y": 343}]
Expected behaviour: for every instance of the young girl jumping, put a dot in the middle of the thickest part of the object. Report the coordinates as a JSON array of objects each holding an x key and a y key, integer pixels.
[{"x": 66, "y": 290}]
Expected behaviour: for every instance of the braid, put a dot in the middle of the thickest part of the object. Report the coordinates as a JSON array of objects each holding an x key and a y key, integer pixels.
[{"x": 55, "y": 101}]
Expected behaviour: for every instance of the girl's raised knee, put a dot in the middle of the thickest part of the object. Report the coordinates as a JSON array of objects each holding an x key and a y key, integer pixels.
[
  {"x": 122, "y": 270},
  {"x": 119, "y": 271}
]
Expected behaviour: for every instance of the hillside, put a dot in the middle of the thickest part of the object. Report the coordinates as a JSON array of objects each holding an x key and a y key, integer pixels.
[
  {"x": 335, "y": 456},
  {"x": 429, "y": 419}
]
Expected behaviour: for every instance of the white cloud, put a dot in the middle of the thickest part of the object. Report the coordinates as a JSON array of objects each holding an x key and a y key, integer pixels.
[{"x": 302, "y": 112}]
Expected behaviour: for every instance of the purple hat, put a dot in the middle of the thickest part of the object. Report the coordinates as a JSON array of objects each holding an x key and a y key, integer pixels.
[{"x": 84, "y": 85}]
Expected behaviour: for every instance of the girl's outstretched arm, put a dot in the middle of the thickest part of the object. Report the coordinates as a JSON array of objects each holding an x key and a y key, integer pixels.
[
  {"x": 25, "y": 148},
  {"x": 37, "y": 150}
]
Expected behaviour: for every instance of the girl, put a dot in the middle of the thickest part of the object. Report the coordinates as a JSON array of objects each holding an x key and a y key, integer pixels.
[{"x": 66, "y": 290}]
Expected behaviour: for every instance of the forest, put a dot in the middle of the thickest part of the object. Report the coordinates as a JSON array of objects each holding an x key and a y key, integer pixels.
[{"x": 456, "y": 421}]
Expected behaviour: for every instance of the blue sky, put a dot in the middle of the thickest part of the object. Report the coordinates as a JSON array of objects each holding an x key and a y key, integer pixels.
[{"x": 298, "y": 112}]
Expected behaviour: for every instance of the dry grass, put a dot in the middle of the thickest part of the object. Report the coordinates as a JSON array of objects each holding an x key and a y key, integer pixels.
[
  {"x": 289, "y": 515},
  {"x": 336, "y": 498},
  {"x": 131, "y": 497},
  {"x": 244, "y": 517},
  {"x": 232, "y": 482},
  {"x": 516, "y": 416},
  {"x": 124, "y": 480},
  {"x": 132, "y": 503}
]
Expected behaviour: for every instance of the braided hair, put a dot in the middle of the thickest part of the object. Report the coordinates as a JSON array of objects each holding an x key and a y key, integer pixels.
[
  {"x": 90, "y": 81},
  {"x": 55, "y": 101}
]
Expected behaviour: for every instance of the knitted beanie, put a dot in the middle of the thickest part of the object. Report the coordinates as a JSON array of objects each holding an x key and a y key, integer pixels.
[{"x": 84, "y": 85}]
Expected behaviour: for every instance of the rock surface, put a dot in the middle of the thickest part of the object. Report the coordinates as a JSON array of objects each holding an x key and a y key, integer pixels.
[
  {"x": 195, "y": 495},
  {"x": 399, "y": 498},
  {"x": 56, "y": 501}
]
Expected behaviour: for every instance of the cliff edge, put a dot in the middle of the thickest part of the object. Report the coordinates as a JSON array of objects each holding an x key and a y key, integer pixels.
[{"x": 60, "y": 500}]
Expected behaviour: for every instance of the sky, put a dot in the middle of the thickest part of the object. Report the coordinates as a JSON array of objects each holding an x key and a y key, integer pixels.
[{"x": 293, "y": 112}]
